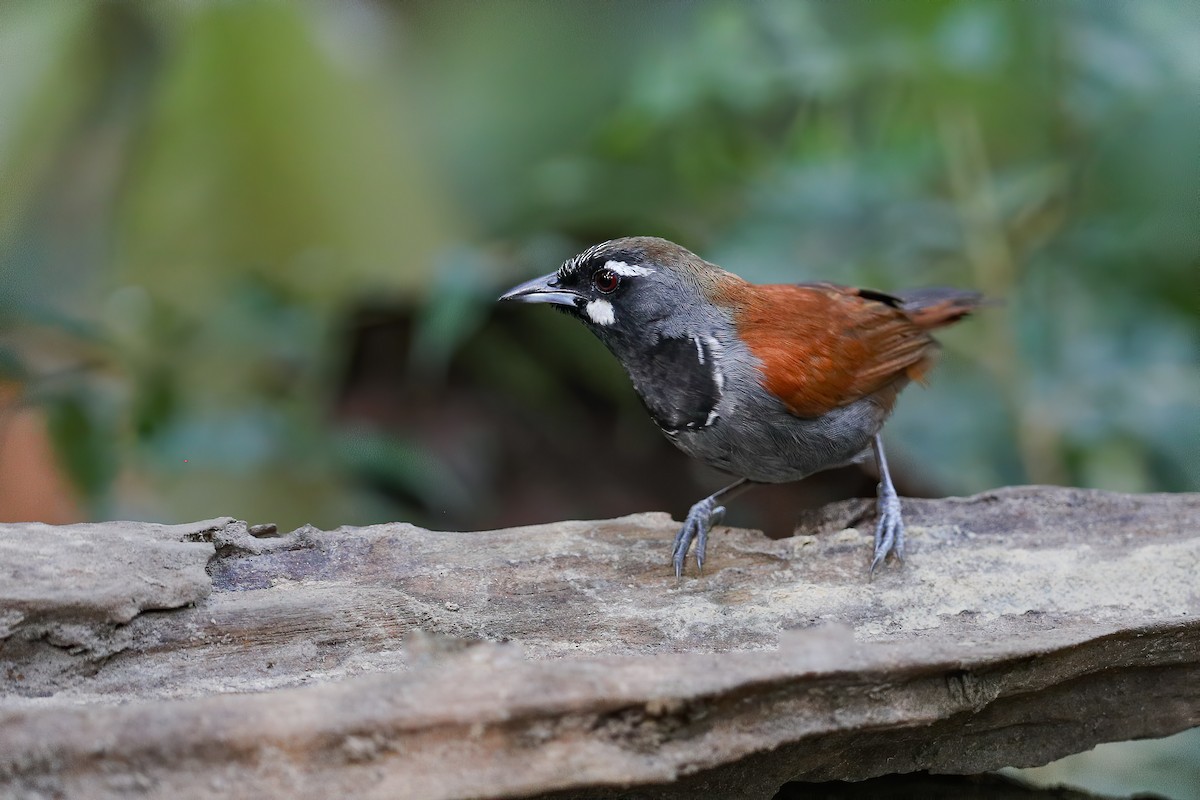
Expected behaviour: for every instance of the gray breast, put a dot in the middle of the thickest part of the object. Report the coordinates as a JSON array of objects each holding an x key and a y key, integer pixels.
[{"x": 749, "y": 433}]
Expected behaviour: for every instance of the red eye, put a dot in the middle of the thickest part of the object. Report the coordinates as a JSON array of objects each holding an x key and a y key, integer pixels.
[{"x": 605, "y": 280}]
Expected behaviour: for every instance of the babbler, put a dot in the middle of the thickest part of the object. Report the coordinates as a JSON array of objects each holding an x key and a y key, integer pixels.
[{"x": 768, "y": 383}]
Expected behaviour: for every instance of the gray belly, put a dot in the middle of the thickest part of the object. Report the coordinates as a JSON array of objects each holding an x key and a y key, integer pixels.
[
  {"x": 704, "y": 392},
  {"x": 770, "y": 445}
]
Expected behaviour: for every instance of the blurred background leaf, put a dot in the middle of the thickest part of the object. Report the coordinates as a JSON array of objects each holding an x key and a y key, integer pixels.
[{"x": 247, "y": 239}]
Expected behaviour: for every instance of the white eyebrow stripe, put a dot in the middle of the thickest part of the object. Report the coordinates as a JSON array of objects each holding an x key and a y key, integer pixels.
[
  {"x": 627, "y": 270},
  {"x": 699, "y": 348}
]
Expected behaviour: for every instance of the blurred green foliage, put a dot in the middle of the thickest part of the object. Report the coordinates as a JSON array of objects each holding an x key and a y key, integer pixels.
[{"x": 196, "y": 197}]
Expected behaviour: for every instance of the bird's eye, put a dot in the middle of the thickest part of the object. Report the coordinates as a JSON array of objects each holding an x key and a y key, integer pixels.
[{"x": 605, "y": 281}]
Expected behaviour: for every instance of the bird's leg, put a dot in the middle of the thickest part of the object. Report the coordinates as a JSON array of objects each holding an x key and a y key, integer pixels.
[
  {"x": 889, "y": 530},
  {"x": 700, "y": 520}
]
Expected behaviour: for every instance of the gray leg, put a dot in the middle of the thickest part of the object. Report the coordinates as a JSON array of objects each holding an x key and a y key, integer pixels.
[
  {"x": 889, "y": 530},
  {"x": 700, "y": 520}
]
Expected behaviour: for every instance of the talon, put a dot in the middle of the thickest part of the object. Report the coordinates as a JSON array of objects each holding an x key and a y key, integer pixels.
[
  {"x": 678, "y": 539},
  {"x": 700, "y": 520},
  {"x": 889, "y": 529},
  {"x": 889, "y": 532},
  {"x": 714, "y": 518},
  {"x": 680, "y": 552},
  {"x": 696, "y": 527},
  {"x": 680, "y": 547}
]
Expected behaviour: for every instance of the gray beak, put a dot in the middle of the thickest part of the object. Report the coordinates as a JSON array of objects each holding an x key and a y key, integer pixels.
[{"x": 542, "y": 290}]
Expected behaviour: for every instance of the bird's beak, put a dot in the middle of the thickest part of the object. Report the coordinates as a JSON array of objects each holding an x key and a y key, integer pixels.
[{"x": 542, "y": 290}]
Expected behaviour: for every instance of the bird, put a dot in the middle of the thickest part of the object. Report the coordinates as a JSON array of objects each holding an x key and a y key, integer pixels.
[{"x": 768, "y": 383}]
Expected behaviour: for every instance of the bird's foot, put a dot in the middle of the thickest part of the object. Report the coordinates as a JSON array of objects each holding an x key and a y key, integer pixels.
[
  {"x": 889, "y": 530},
  {"x": 700, "y": 520}
]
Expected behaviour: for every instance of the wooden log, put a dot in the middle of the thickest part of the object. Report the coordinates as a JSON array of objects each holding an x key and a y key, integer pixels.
[{"x": 390, "y": 661}]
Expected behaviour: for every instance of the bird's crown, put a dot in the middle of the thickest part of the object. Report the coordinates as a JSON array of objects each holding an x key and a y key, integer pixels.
[{"x": 642, "y": 255}]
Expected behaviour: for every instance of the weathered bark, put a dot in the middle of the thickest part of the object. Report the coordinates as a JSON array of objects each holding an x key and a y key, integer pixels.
[{"x": 199, "y": 660}]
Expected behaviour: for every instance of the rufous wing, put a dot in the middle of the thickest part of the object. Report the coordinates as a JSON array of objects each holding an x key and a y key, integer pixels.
[{"x": 823, "y": 346}]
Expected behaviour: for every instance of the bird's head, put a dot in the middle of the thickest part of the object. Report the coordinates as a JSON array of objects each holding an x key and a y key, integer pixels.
[{"x": 639, "y": 288}]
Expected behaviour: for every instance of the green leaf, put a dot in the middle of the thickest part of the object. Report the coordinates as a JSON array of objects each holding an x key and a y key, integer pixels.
[{"x": 85, "y": 438}]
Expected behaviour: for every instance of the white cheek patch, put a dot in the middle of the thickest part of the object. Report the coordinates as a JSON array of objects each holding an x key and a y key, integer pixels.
[
  {"x": 600, "y": 312},
  {"x": 627, "y": 270}
]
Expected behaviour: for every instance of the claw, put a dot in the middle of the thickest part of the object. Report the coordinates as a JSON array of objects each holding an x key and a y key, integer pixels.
[
  {"x": 681, "y": 543},
  {"x": 889, "y": 531},
  {"x": 714, "y": 518},
  {"x": 700, "y": 521},
  {"x": 683, "y": 540}
]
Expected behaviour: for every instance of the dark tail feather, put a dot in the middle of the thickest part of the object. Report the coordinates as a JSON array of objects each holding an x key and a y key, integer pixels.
[{"x": 939, "y": 306}]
